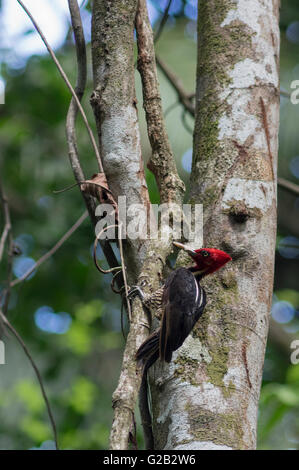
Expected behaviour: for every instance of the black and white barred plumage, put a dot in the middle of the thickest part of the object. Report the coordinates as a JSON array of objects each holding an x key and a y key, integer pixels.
[{"x": 182, "y": 301}]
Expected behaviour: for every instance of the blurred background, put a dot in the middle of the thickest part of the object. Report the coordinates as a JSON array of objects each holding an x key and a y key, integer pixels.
[{"x": 66, "y": 312}]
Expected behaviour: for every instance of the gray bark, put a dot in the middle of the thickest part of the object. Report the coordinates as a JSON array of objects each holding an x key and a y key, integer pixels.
[{"x": 114, "y": 104}]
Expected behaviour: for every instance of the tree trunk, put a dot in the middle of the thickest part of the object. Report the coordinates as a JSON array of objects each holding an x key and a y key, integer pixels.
[
  {"x": 207, "y": 398},
  {"x": 115, "y": 109},
  {"x": 114, "y": 104}
]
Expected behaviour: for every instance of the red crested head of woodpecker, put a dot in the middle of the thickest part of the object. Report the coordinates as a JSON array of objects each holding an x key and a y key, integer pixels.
[{"x": 208, "y": 260}]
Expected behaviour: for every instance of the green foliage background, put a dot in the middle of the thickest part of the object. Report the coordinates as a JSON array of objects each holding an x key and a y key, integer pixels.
[{"x": 80, "y": 367}]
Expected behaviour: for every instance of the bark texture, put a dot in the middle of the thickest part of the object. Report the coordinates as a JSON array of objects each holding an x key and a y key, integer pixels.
[
  {"x": 161, "y": 163},
  {"x": 114, "y": 104},
  {"x": 207, "y": 398},
  {"x": 115, "y": 110}
]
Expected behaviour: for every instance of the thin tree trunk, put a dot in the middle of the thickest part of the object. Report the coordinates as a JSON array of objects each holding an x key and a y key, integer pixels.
[
  {"x": 114, "y": 104},
  {"x": 207, "y": 398}
]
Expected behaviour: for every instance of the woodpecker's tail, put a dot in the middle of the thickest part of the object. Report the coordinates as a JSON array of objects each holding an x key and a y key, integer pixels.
[
  {"x": 146, "y": 355},
  {"x": 148, "y": 352}
]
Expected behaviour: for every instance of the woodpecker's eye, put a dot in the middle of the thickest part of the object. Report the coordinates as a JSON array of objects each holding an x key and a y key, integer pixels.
[{"x": 205, "y": 253}]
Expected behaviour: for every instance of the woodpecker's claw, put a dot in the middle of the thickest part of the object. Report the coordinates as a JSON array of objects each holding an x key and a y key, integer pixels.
[{"x": 136, "y": 290}]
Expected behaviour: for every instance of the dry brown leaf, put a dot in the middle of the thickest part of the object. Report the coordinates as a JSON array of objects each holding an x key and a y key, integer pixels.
[{"x": 98, "y": 187}]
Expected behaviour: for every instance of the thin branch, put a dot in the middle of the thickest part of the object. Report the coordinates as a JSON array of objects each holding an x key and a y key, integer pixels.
[
  {"x": 71, "y": 125},
  {"x": 7, "y": 233},
  {"x": 7, "y": 221},
  {"x": 163, "y": 22},
  {"x": 65, "y": 78},
  {"x": 51, "y": 252},
  {"x": 285, "y": 94},
  {"x": 95, "y": 245},
  {"x": 80, "y": 47},
  {"x": 73, "y": 108},
  {"x": 106, "y": 246},
  {"x": 38, "y": 375},
  {"x": 185, "y": 123},
  {"x": 123, "y": 267},
  {"x": 10, "y": 256},
  {"x": 184, "y": 97},
  {"x": 293, "y": 188},
  {"x": 162, "y": 161},
  {"x": 3, "y": 239}
]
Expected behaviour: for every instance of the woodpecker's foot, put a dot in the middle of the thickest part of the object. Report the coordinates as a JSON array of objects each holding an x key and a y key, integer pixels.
[{"x": 136, "y": 290}]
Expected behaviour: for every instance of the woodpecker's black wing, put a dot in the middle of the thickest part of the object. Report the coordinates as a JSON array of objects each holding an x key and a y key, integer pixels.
[{"x": 183, "y": 303}]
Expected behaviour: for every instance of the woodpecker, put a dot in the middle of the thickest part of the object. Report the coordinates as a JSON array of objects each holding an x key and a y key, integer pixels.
[{"x": 181, "y": 301}]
